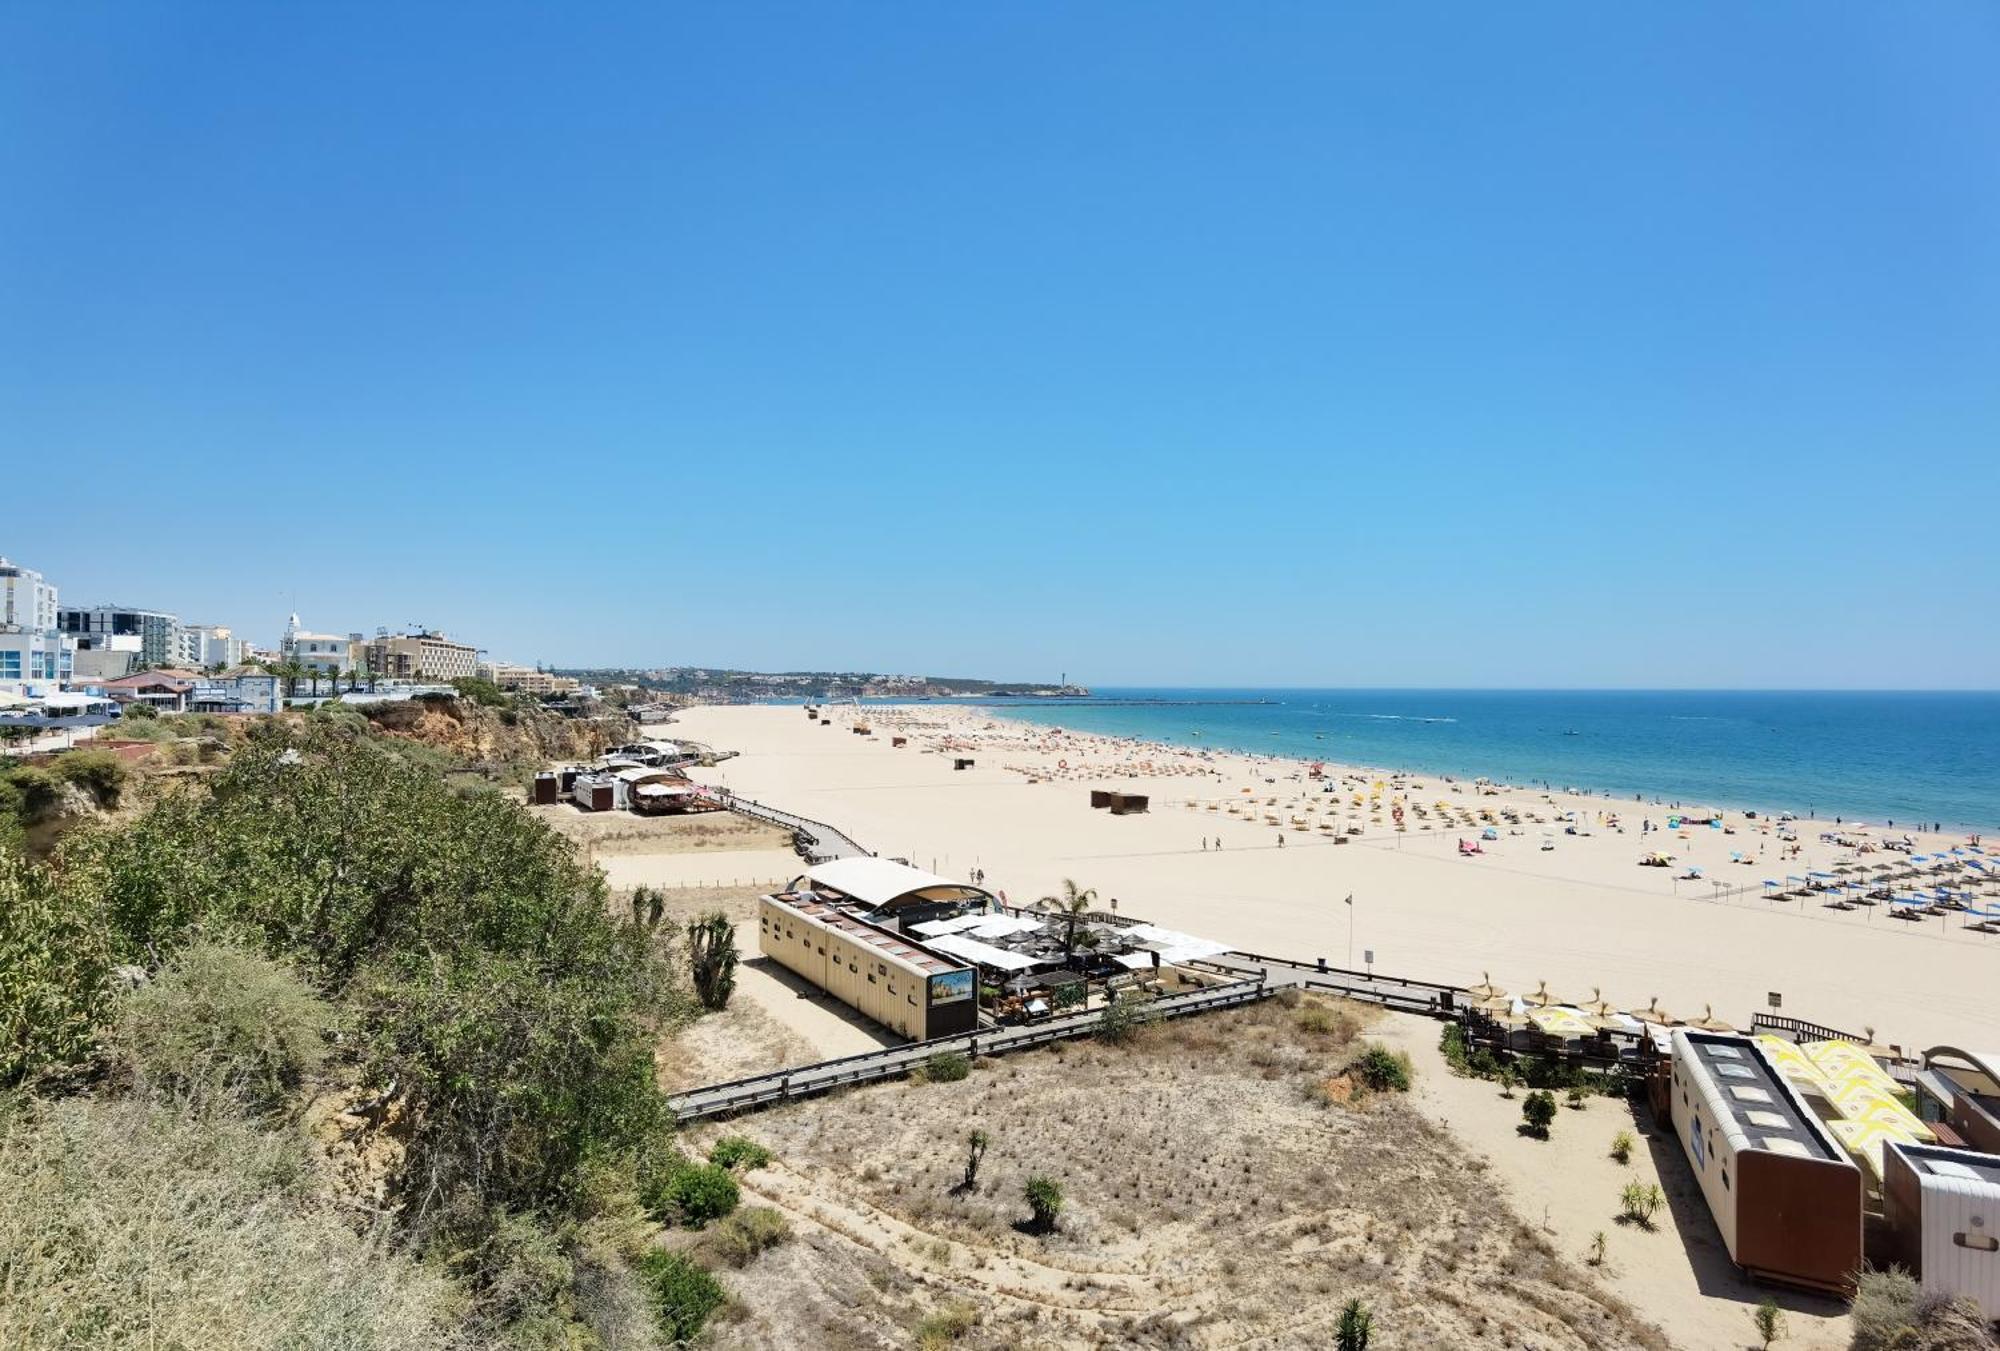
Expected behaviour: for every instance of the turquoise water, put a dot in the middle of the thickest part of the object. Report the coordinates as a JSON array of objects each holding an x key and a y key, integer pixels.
[{"x": 1907, "y": 757}]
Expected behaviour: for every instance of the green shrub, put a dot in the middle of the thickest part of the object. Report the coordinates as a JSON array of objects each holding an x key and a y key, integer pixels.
[
  {"x": 55, "y": 968},
  {"x": 220, "y": 1025},
  {"x": 712, "y": 959},
  {"x": 1355, "y": 1327},
  {"x": 683, "y": 1295},
  {"x": 1641, "y": 1201},
  {"x": 1769, "y": 1320},
  {"x": 1124, "y": 1016},
  {"x": 736, "y": 1151},
  {"x": 946, "y": 1067},
  {"x": 1538, "y": 1112},
  {"x": 1382, "y": 1070},
  {"x": 701, "y": 1193},
  {"x": 1045, "y": 1199},
  {"x": 1621, "y": 1146},
  {"x": 741, "y": 1237}
]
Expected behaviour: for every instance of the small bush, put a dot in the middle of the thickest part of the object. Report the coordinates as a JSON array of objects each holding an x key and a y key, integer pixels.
[
  {"x": 1045, "y": 1199},
  {"x": 1621, "y": 1146},
  {"x": 1893, "y": 1313},
  {"x": 1124, "y": 1016},
  {"x": 219, "y": 1024},
  {"x": 1355, "y": 1327},
  {"x": 946, "y": 1067},
  {"x": 738, "y": 1152},
  {"x": 701, "y": 1193},
  {"x": 1382, "y": 1070},
  {"x": 99, "y": 773},
  {"x": 1641, "y": 1201},
  {"x": 682, "y": 1294},
  {"x": 741, "y": 1237},
  {"x": 1770, "y": 1321},
  {"x": 946, "y": 1326},
  {"x": 1538, "y": 1112}
]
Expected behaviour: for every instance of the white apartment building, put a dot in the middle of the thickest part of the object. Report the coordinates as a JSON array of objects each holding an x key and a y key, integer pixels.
[
  {"x": 326, "y": 653},
  {"x": 206, "y": 645},
  {"x": 527, "y": 679},
  {"x": 35, "y": 657}
]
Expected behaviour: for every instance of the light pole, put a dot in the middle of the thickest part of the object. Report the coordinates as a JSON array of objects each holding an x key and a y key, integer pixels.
[{"x": 1350, "y": 930}]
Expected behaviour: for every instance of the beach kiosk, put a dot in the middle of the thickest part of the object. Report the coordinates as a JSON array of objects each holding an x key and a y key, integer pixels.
[
  {"x": 1942, "y": 1207},
  {"x": 1784, "y": 1193}
]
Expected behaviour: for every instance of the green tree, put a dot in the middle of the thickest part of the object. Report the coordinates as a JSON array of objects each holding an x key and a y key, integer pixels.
[
  {"x": 683, "y": 1295},
  {"x": 1355, "y": 1327},
  {"x": 1045, "y": 1199},
  {"x": 1071, "y": 905},
  {"x": 712, "y": 959},
  {"x": 55, "y": 967}
]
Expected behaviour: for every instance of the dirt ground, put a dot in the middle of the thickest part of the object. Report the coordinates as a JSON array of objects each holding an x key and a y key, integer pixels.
[
  {"x": 604, "y": 834},
  {"x": 1214, "y": 1198}
]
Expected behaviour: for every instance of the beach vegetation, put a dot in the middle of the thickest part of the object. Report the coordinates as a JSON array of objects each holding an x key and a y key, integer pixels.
[
  {"x": 1893, "y": 1312},
  {"x": 738, "y": 1153},
  {"x": 975, "y": 1153},
  {"x": 712, "y": 959},
  {"x": 1381, "y": 1070},
  {"x": 1621, "y": 1146},
  {"x": 682, "y": 1294},
  {"x": 1769, "y": 1321},
  {"x": 748, "y": 1233},
  {"x": 697, "y": 1194},
  {"x": 1124, "y": 1016},
  {"x": 943, "y": 1067},
  {"x": 1640, "y": 1201},
  {"x": 1355, "y": 1326},
  {"x": 1538, "y": 1113},
  {"x": 1596, "y": 1256},
  {"x": 945, "y": 1327},
  {"x": 1045, "y": 1200}
]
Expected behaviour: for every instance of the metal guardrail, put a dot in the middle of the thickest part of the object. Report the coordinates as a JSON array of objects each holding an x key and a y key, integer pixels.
[{"x": 765, "y": 1090}]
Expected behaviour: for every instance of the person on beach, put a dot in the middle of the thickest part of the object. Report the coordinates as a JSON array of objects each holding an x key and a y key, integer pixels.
[{"x": 1281, "y": 839}]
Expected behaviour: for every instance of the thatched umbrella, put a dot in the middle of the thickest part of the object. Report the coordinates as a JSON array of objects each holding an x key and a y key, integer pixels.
[
  {"x": 1541, "y": 997},
  {"x": 1708, "y": 1022},
  {"x": 1875, "y": 1049},
  {"x": 1653, "y": 1013},
  {"x": 1597, "y": 1006},
  {"x": 1486, "y": 989}
]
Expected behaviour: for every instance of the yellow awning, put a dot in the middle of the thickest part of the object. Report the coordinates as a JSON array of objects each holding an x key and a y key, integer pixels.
[
  {"x": 1561, "y": 1022},
  {"x": 1864, "y": 1140}
]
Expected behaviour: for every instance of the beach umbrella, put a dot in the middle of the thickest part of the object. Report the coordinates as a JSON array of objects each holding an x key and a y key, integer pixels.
[
  {"x": 1874, "y": 1049},
  {"x": 1560, "y": 1022},
  {"x": 1653, "y": 1013},
  {"x": 1486, "y": 989},
  {"x": 1542, "y": 997},
  {"x": 1708, "y": 1022},
  {"x": 1597, "y": 1006}
]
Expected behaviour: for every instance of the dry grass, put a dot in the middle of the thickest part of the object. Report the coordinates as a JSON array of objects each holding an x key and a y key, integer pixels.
[
  {"x": 128, "y": 1226},
  {"x": 1211, "y": 1201},
  {"x": 607, "y": 833}
]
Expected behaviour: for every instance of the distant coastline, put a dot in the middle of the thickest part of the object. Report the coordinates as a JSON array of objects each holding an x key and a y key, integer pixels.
[{"x": 1881, "y": 756}]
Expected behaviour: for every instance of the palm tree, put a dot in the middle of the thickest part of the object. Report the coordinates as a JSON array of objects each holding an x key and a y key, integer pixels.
[
  {"x": 291, "y": 671},
  {"x": 1074, "y": 902}
]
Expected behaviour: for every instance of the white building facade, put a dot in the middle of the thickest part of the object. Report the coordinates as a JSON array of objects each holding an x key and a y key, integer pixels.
[{"x": 35, "y": 657}]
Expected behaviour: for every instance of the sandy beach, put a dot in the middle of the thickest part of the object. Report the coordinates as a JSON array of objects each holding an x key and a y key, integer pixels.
[{"x": 1581, "y": 914}]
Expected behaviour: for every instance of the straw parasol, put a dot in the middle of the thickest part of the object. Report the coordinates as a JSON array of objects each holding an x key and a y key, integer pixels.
[
  {"x": 1541, "y": 997},
  {"x": 1486, "y": 989},
  {"x": 1499, "y": 1008},
  {"x": 1597, "y": 1006},
  {"x": 1708, "y": 1022},
  {"x": 1875, "y": 1049},
  {"x": 1653, "y": 1013}
]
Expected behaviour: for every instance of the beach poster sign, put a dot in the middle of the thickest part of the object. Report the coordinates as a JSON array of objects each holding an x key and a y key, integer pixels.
[{"x": 949, "y": 987}]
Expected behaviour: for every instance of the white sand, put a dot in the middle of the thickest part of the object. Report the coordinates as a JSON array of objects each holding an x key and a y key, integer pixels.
[{"x": 1581, "y": 915}]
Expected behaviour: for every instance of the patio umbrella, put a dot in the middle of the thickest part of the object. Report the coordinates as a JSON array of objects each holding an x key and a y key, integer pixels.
[
  {"x": 1874, "y": 1049},
  {"x": 1708, "y": 1022},
  {"x": 1486, "y": 989}
]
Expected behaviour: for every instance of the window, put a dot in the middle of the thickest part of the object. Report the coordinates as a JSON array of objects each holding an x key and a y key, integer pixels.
[
  {"x": 1725, "y": 1177},
  {"x": 1977, "y": 1242},
  {"x": 871, "y": 977}
]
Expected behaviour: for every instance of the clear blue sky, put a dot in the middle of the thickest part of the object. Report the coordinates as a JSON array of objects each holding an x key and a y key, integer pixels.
[{"x": 1293, "y": 344}]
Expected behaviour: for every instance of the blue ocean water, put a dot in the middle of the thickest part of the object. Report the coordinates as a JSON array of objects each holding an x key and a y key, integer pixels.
[{"x": 1907, "y": 757}]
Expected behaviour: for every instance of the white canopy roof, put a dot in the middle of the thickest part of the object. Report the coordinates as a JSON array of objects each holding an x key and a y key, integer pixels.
[
  {"x": 663, "y": 789},
  {"x": 978, "y": 926},
  {"x": 875, "y": 881},
  {"x": 984, "y": 954},
  {"x": 1173, "y": 946}
]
